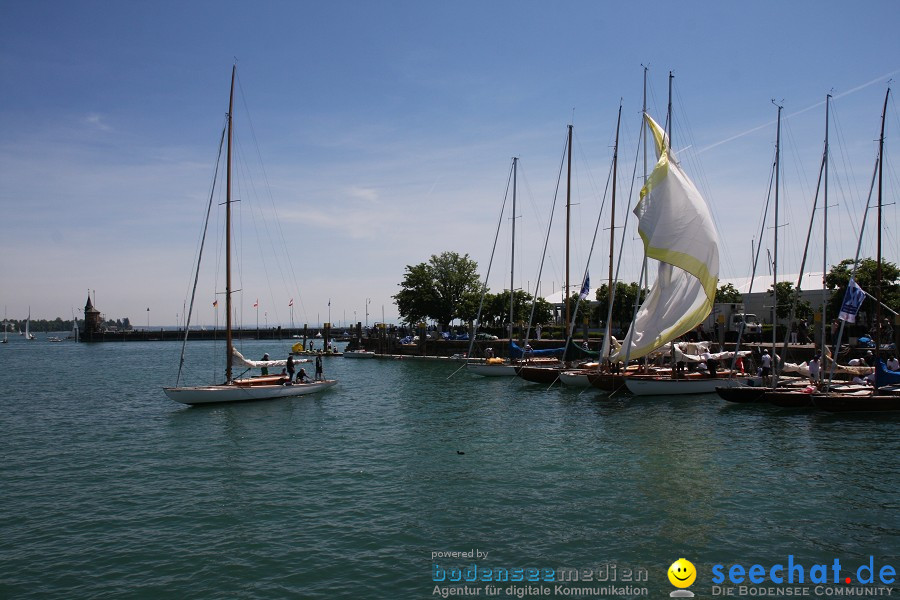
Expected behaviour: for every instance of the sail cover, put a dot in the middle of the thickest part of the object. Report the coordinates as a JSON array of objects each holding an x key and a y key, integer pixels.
[{"x": 677, "y": 229}]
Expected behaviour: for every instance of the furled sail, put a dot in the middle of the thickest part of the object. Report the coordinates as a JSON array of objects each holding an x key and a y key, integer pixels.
[{"x": 677, "y": 229}]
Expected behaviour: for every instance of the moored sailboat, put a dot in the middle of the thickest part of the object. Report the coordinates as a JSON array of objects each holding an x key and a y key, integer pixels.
[
  {"x": 879, "y": 400},
  {"x": 685, "y": 287},
  {"x": 237, "y": 390}
]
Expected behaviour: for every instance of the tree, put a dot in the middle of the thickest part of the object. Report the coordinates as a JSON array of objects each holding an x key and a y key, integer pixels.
[
  {"x": 445, "y": 288},
  {"x": 785, "y": 295},
  {"x": 623, "y": 304},
  {"x": 496, "y": 308},
  {"x": 728, "y": 294},
  {"x": 838, "y": 278}
]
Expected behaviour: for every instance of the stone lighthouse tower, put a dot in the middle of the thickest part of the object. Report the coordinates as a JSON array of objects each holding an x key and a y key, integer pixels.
[{"x": 91, "y": 319}]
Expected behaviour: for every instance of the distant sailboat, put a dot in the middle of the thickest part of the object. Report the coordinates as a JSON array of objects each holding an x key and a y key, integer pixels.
[{"x": 28, "y": 335}]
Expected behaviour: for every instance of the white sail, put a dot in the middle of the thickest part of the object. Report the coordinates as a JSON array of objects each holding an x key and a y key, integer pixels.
[
  {"x": 239, "y": 360},
  {"x": 677, "y": 229}
]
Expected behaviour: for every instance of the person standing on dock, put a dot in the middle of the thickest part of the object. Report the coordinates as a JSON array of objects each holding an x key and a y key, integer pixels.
[{"x": 319, "y": 376}]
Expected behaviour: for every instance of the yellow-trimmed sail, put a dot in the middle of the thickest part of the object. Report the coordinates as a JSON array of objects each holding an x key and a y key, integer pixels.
[{"x": 677, "y": 229}]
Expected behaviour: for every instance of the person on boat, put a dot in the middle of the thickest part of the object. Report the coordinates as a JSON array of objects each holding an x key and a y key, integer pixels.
[
  {"x": 814, "y": 370},
  {"x": 870, "y": 358},
  {"x": 265, "y": 370},
  {"x": 489, "y": 353},
  {"x": 739, "y": 364},
  {"x": 870, "y": 378},
  {"x": 302, "y": 377},
  {"x": 290, "y": 366},
  {"x": 766, "y": 362},
  {"x": 319, "y": 376},
  {"x": 893, "y": 364},
  {"x": 711, "y": 363}
]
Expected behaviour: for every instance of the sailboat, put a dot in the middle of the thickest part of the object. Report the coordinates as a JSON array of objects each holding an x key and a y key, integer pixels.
[
  {"x": 5, "y": 329},
  {"x": 881, "y": 399},
  {"x": 238, "y": 390},
  {"x": 548, "y": 374},
  {"x": 28, "y": 335},
  {"x": 677, "y": 229}
]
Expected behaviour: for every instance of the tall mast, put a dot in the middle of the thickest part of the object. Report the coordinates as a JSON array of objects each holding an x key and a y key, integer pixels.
[
  {"x": 512, "y": 262},
  {"x": 775, "y": 252},
  {"x": 612, "y": 213},
  {"x": 669, "y": 110},
  {"x": 825, "y": 229},
  {"x": 878, "y": 274},
  {"x": 229, "y": 341},
  {"x": 568, "y": 218}
]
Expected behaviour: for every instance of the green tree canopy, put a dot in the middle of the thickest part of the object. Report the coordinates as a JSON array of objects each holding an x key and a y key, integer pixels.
[
  {"x": 443, "y": 289},
  {"x": 785, "y": 295},
  {"x": 623, "y": 305},
  {"x": 728, "y": 294},
  {"x": 867, "y": 278},
  {"x": 496, "y": 308}
]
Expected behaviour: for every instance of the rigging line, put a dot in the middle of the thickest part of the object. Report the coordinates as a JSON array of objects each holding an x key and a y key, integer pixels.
[
  {"x": 693, "y": 158},
  {"x": 488, "y": 272},
  {"x": 849, "y": 193},
  {"x": 187, "y": 327},
  {"x": 285, "y": 253},
  {"x": 562, "y": 163},
  {"x": 801, "y": 111},
  {"x": 571, "y": 326}
]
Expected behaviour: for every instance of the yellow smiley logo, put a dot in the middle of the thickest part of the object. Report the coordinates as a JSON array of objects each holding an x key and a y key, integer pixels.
[{"x": 682, "y": 573}]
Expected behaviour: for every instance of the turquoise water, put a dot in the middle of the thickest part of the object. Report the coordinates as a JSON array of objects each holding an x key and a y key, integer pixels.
[{"x": 108, "y": 489}]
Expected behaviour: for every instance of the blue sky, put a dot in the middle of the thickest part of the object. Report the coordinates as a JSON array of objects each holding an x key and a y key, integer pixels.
[{"x": 386, "y": 130}]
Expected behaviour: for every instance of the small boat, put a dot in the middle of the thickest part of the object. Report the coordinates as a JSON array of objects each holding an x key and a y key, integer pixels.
[
  {"x": 487, "y": 369},
  {"x": 358, "y": 354},
  {"x": 238, "y": 390}
]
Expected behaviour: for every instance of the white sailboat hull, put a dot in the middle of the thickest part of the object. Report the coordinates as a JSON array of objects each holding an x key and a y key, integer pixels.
[
  {"x": 211, "y": 394},
  {"x": 504, "y": 370},
  {"x": 575, "y": 379},
  {"x": 670, "y": 387},
  {"x": 358, "y": 354}
]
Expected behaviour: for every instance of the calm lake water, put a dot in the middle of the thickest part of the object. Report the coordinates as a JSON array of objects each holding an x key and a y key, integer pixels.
[{"x": 108, "y": 489}]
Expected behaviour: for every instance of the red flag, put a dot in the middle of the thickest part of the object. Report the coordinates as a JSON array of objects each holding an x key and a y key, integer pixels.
[
  {"x": 256, "y": 304},
  {"x": 215, "y": 303}
]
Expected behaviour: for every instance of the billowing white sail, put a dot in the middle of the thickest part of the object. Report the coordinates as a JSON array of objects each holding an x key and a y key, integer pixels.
[{"x": 677, "y": 229}]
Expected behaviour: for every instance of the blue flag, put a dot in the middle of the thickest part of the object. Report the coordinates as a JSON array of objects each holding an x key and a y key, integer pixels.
[
  {"x": 853, "y": 299},
  {"x": 586, "y": 287}
]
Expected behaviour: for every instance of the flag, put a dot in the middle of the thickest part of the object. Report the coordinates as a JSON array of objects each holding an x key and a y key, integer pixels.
[
  {"x": 215, "y": 303},
  {"x": 585, "y": 288},
  {"x": 256, "y": 304},
  {"x": 291, "y": 303},
  {"x": 329, "y": 302},
  {"x": 853, "y": 299}
]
